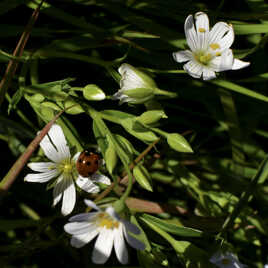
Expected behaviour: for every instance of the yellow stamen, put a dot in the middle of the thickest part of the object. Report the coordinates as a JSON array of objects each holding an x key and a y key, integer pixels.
[
  {"x": 214, "y": 46},
  {"x": 202, "y": 30},
  {"x": 218, "y": 54},
  {"x": 105, "y": 220},
  {"x": 66, "y": 166}
]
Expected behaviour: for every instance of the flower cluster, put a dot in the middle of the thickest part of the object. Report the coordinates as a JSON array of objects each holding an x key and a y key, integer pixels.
[{"x": 209, "y": 52}]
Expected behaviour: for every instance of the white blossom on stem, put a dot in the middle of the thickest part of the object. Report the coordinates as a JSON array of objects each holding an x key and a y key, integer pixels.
[
  {"x": 209, "y": 49},
  {"x": 62, "y": 170}
]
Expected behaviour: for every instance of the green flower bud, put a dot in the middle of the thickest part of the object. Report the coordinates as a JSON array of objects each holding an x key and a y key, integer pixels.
[
  {"x": 179, "y": 143},
  {"x": 111, "y": 158},
  {"x": 93, "y": 93},
  {"x": 135, "y": 86},
  {"x": 142, "y": 176},
  {"x": 151, "y": 117}
]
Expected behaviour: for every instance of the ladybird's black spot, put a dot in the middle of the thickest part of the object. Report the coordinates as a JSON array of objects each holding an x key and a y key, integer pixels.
[
  {"x": 88, "y": 163},
  {"x": 87, "y": 153},
  {"x": 96, "y": 162},
  {"x": 80, "y": 160},
  {"x": 90, "y": 173}
]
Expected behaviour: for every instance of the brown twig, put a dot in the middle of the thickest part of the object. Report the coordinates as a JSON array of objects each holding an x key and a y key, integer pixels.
[
  {"x": 12, "y": 174},
  {"x": 13, "y": 63},
  {"x": 140, "y": 205}
]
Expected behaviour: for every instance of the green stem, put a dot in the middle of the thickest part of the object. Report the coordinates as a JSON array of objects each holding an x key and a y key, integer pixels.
[
  {"x": 162, "y": 92},
  {"x": 232, "y": 121},
  {"x": 60, "y": 54},
  {"x": 245, "y": 197}
]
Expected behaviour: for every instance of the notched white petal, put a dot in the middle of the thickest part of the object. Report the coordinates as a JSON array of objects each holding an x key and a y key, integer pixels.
[
  {"x": 120, "y": 246},
  {"x": 41, "y": 177},
  {"x": 78, "y": 228},
  {"x": 69, "y": 197},
  {"x": 41, "y": 166},
  {"x": 190, "y": 33},
  {"x": 239, "y": 64},
  {"x": 182, "y": 56},
  {"x": 57, "y": 137},
  {"x": 87, "y": 185},
  {"x": 100, "y": 178},
  {"x": 193, "y": 68},
  {"x": 103, "y": 246},
  {"x": 79, "y": 241},
  {"x": 208, "y": 74}
]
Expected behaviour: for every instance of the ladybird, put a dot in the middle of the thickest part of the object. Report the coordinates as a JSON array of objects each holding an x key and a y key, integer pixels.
[{"x": 87, "y": 163}]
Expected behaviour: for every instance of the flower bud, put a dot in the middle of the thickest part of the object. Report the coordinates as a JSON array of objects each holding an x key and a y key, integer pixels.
[{"x": 135, "y": 86}]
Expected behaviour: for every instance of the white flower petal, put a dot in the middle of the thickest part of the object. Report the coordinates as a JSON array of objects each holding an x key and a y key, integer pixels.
[
  {"x": 239, "y": 64},
  {"x": 217, "y": 32},
  {"x": 69, "y": 197},
  {"x": 57, "y": 137},
  {"x": 227, "y": 60},
  {"x": 42, "y": 177},
  {"x": 129, "y": 79},
  {"x": 41, "y": 166},
  {"x": 100, "y": 178},
  {"x": 79, "y": 241},
  {"x": 227, "y": 40},
  {"x": 208, "y": 74},
  {"x": 58, "y": 190},
  {"x": 103, "y": 246},
  {"x": 84, "y": 217},
  {"x": 223, "y": 62},
  {"x": 49, "y": 150},
  {"x": 91, "y": 204},
  {"x": 110, "y": 210},
  {"x": 87, "y": 185},
  {"x": 130, "y": 227},
  {"x": 120, "y": 245},
  {"x": 193, "y": 68},
  {"x": 190, "y": 33},
  {"x": 202, "y": 29},
  {"x": 77, "y": 228},
  {"x": 132, "y": 241},
  {"x": 182, "y": 56}
]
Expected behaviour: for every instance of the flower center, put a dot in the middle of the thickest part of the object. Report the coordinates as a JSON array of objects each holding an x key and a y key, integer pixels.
[
  {"x": 203, "y": 58},
  {"x": 66, "y": 166},
  {"x": 225, "y": 261},
  {"x": 105, "y": 220}
]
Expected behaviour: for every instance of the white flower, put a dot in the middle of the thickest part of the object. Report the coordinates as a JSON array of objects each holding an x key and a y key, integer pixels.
[
  {"x": 226, "y": 260},
  {"x": 112, "y": 231},
  {"x": 63, "y": 168},
  {"x": 209, "y": 49},
  {"x": 135, "y": 86},
  {"x": 265, "y": 266}
]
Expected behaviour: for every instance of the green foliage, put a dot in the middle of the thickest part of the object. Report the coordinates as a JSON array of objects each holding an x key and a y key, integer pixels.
[{"x": 192, "y": 153}]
